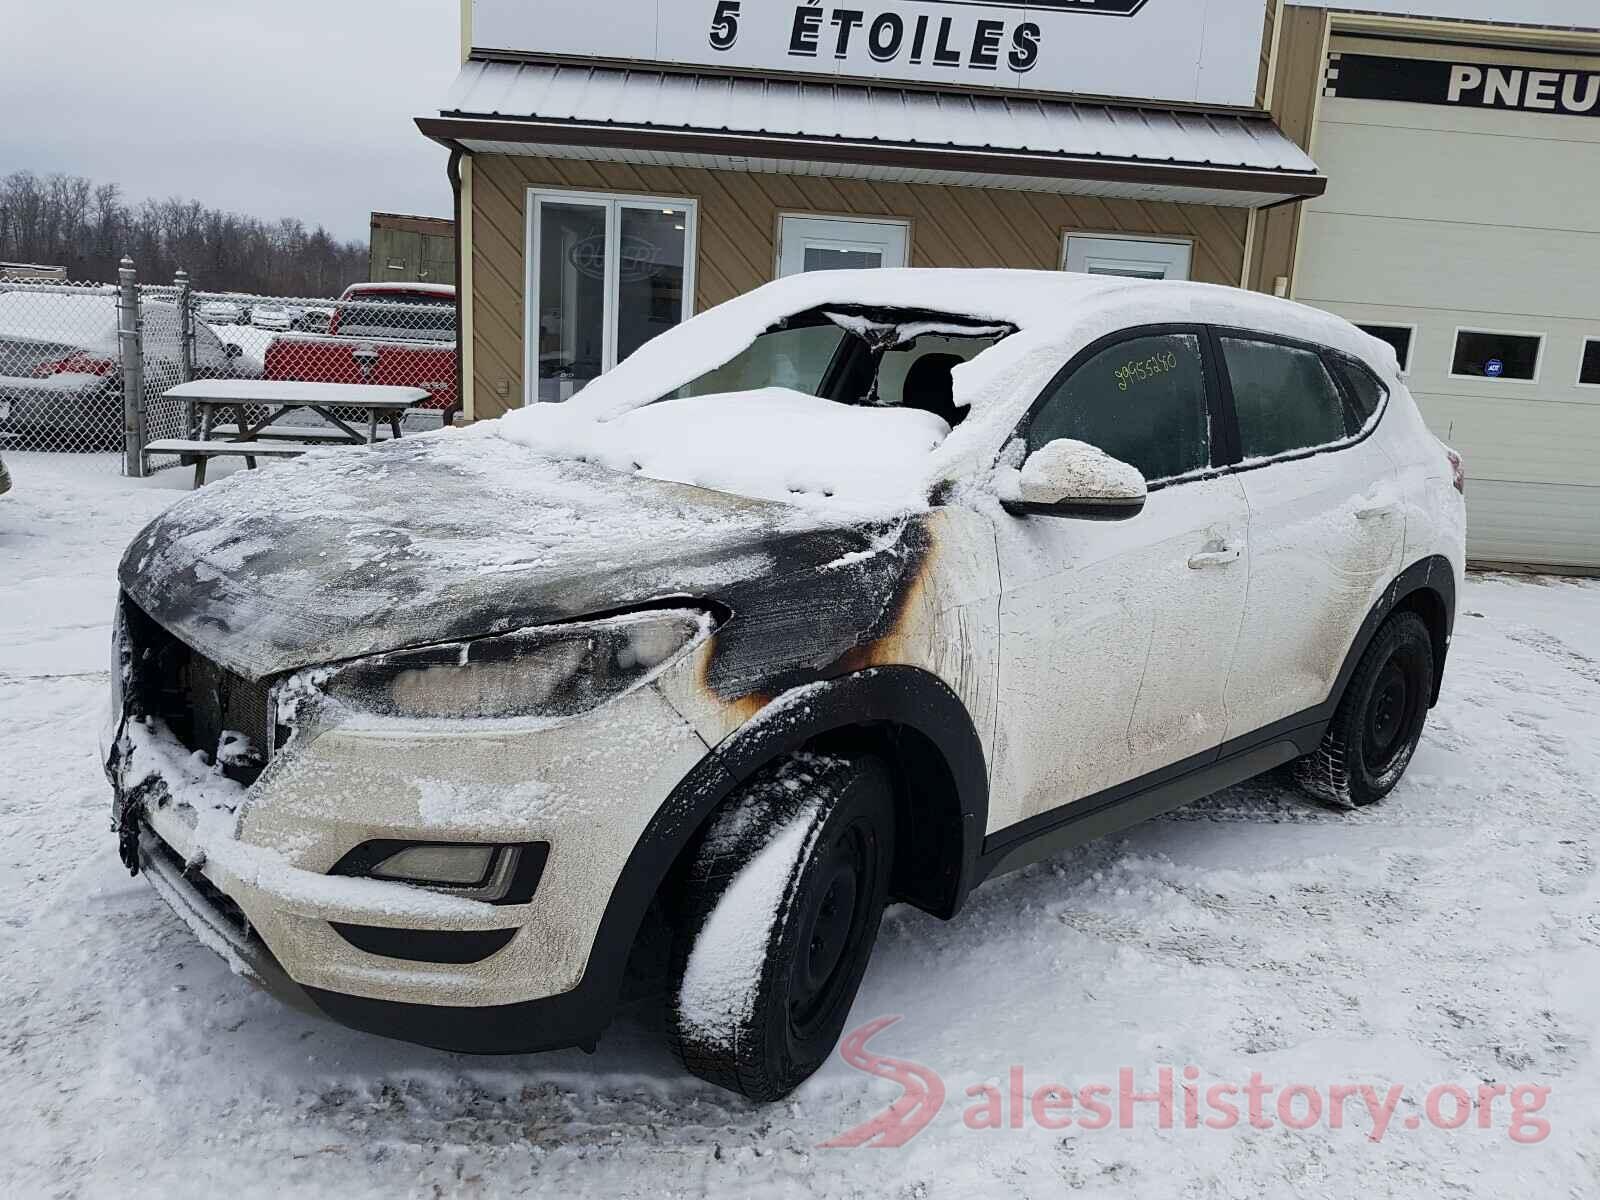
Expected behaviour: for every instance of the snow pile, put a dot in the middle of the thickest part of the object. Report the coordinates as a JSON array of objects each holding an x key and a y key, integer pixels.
[{"x": 771, "y": 444}]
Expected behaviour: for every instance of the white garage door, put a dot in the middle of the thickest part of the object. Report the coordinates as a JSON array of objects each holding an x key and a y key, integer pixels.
[{"x": 1464, "y": 217}]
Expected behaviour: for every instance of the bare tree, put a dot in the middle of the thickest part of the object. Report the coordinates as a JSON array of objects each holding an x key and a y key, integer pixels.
[{"x": 69, "y": 221}]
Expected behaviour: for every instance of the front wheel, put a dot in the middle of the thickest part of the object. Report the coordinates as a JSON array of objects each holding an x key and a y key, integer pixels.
[
  {"x": 780, "y": 909},
  {"x": 1379, "y": 721}
]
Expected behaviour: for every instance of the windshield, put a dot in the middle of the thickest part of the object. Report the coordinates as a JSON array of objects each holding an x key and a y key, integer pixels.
[
  {"x": 879, "y": 359},
  {"x": 837, "y": 404}
]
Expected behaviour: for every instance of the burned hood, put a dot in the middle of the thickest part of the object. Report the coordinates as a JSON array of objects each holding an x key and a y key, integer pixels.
[{"x": 347, "y": 553}]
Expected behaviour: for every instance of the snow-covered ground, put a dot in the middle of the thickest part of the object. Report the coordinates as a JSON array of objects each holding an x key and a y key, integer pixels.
[{"x": 1451, "y": 936}]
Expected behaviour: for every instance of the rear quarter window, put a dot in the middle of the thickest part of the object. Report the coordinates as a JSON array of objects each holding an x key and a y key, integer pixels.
[{"x": 1364, "y": 392}]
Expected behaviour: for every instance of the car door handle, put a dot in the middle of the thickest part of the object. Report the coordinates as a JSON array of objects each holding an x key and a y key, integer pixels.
[
  {"x": 1373, "y": 511},
  {"x": 1216, "y": 558}
]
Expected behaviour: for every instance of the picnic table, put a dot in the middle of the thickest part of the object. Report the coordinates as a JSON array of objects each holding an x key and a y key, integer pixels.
[{"x": 265, "y": 438}]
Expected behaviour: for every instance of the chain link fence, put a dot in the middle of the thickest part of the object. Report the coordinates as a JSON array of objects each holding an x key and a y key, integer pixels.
[
  {"x": 84, "y": 368},
  {"x": 60, "y": 368}
]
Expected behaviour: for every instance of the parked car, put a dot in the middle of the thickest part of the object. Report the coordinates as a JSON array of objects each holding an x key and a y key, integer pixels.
[
  {"x": 399, "y": 334},
  {"x": 314, "y": 319},
  {"x": 221, "y": 312},
  {"x": 279, "y": 317},
  {"x": 866, "y": 586},
  {"x": 61, "y": 366}
]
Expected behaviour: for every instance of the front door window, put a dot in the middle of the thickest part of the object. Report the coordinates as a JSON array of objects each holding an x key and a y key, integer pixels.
[
  {"x": 606, "y": 275},
  {"x": 829, "y": 244}
]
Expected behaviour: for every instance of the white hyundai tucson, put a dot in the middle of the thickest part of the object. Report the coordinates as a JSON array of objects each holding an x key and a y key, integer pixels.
[{"x": 861, "y": 588}]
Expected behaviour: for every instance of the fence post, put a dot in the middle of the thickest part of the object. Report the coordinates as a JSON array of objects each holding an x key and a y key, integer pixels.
[
  {"x": 130, "y": 339},
  {"x": 186, "y": 343}
]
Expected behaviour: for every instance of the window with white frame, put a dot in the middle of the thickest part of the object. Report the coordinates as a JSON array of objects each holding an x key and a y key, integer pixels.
[
  {"x": 1488, "y": 354},
  {"x": 1131, "y": 257},
  {"x": 606, "y": 273},
  {"x": 1589, "y": 367},
  {"x": 1400, "y": 337},
  {"x": 811, "y": 243}
]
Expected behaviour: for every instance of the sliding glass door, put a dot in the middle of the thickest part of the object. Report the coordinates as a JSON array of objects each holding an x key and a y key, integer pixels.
[{"x": 605, "y": 275}]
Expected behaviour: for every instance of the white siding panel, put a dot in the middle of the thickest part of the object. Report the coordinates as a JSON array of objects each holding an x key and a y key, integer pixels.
[
  {"x": 1457, "y": 170},
  {"x": 1447, "y": 219},
  {"x": 1423, "y": 263},
  {"x": 1513, "y": 440},
  {"x": 1538, "y": 524}
]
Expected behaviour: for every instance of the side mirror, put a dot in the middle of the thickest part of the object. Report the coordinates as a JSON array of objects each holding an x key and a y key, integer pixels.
[{"x": 1065, "y": 478}]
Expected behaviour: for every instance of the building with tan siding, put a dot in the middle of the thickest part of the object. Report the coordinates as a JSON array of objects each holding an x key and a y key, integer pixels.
[{"x": 620, "y": 165}]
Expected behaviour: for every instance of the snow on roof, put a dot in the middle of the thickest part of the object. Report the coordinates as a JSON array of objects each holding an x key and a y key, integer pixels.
[
  {"x": 955, "y": 127},
  {"x": 1056, "y": 315},
  {"x": 86, "y": 320}
]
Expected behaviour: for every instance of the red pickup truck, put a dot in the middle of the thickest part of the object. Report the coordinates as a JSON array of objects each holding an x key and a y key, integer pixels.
[{"x": 396, "y": 334}]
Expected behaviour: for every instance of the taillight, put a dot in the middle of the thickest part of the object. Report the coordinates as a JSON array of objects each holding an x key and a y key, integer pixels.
[
  {"x": 77, "y": 364},
  {"x": 1458, "y": 473}
]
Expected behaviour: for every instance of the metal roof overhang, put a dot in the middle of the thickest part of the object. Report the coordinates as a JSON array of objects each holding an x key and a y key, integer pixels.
[{"x": 890, "y": 134}]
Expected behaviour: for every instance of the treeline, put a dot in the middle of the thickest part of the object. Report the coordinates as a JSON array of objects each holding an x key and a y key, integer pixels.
[{"x": 67, "y": 221}]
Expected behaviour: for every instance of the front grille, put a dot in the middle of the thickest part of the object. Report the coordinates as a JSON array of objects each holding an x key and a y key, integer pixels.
[{"x": 200, "y": 701}]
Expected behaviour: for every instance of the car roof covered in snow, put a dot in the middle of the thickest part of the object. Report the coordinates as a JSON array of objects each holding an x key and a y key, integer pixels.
[{"x": 68, "y": 318}]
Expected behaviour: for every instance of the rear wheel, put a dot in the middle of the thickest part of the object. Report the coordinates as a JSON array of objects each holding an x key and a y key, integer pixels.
[
  {"x": 780, "y": 909},
  {"x": 1379, "y": 721}
]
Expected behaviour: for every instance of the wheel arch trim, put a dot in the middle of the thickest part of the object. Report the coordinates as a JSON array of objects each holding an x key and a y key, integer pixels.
[
  {"x": 1434, "y": 575},
  {"x": 906, "y": 697}
]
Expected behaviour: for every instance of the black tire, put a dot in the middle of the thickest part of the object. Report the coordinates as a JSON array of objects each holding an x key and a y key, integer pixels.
[
  {"x": 758, "y": 1004},
  {"x": 1379, "y": 721}
]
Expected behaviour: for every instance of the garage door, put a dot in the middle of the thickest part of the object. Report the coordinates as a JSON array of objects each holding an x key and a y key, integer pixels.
[{"x": 1463, "y": 224}]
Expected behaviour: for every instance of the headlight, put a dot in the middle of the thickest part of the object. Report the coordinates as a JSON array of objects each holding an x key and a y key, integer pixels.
[{"x": 553, "y": 671}]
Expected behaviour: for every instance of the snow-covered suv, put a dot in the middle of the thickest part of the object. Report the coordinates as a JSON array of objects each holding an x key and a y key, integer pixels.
[{"x": 863, "y": 587}]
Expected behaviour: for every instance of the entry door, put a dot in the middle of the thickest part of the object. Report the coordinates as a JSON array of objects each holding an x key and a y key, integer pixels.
[
  {"x": 605, "y": 275},
  {"x": 1117, "y": 637},
  {"x": 829, "y": 244},
  {"x": 1133, "y": 258}
]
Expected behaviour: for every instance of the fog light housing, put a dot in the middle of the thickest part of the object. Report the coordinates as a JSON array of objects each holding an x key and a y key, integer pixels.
[
  {"x": 492, "y": 874},
  {"x": 446, "y": 866}
]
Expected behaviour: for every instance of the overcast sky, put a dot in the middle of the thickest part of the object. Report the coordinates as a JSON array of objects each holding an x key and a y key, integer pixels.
[{"x": 280, "y": 108}]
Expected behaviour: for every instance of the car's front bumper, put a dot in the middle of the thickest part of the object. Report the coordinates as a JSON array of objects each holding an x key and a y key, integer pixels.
[{"x": 586, "y": 786}]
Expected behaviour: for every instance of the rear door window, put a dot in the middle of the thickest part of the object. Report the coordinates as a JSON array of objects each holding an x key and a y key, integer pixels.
[
  {"x": 1142, "y": 401},
  {"x": 1284, "y": 397}
]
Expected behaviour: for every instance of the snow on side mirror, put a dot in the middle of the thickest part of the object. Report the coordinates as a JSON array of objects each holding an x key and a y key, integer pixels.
[{"x": 1065, "y": 478}]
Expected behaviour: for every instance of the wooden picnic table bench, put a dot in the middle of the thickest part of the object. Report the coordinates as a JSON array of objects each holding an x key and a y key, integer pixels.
[{"x": 263, "y": 438}]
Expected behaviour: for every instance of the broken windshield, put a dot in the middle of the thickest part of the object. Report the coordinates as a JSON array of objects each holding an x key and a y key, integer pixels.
[{"x": 875, "y": 358}]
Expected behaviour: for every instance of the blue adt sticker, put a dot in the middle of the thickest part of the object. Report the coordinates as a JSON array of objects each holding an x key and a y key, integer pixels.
[{"x": 1494, "y": 368}]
